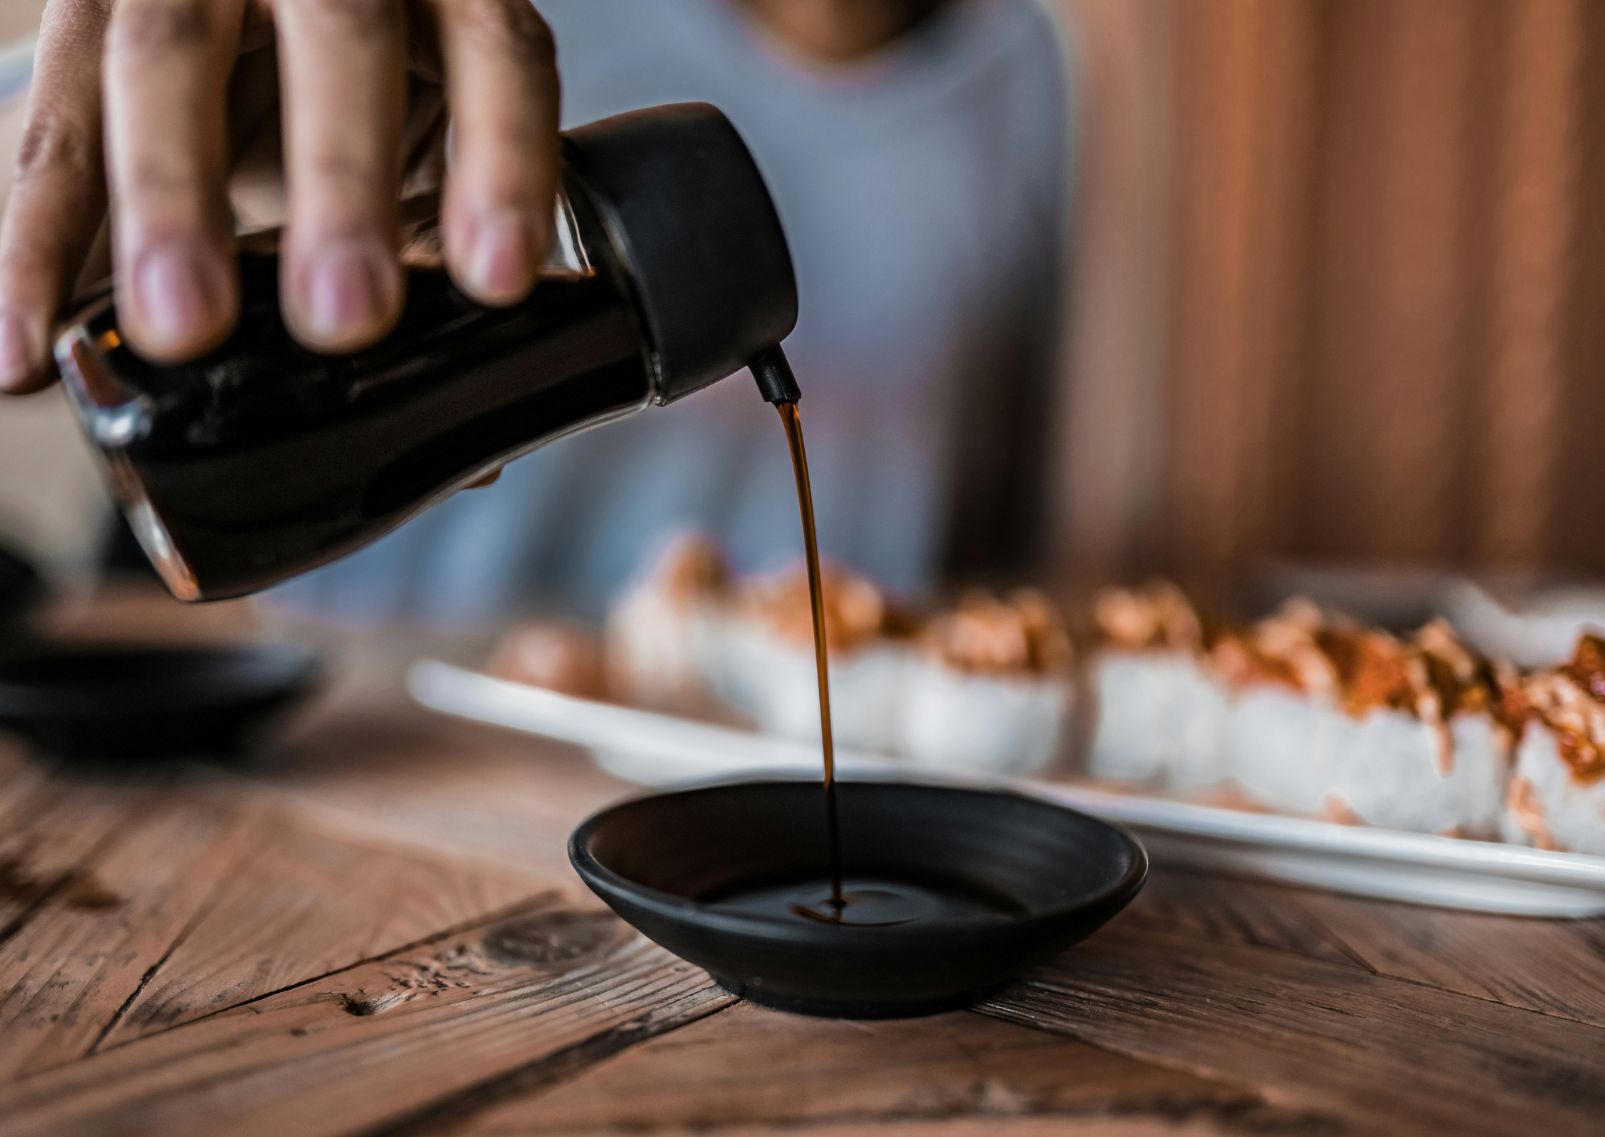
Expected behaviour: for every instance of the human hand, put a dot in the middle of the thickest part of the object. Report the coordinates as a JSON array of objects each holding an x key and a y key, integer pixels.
[{"x": 187, "y": 115}]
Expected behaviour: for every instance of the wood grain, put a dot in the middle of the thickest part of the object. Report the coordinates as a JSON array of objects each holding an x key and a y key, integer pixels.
[
  {"x": 1540, "y": 202},
  {"x": 1375, "y": 288},
  {"x": 383, "y": 1042},
  {"x": 1249, "y": 913},
  {"x": 302, "y": 904},
  {"x": 1412, "y": 485},
  {"x": 1551, "y": 966},
  {"x": 397, "y": 773},
  {"x": 1388, "y": 1055},
  {"x": 1112, "y": 435},
  {"x": 1577, "y": 513},
  {"x": 77, "y": 958},
  {"x": 825, "y": 1076},
  {"x": 371, "y": 931}
]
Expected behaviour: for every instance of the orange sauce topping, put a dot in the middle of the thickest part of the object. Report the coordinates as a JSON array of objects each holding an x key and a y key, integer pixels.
[{"x": 1570, "y": 700}]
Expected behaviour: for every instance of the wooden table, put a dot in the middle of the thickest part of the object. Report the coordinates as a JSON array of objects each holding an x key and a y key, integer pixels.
[{"x": 371, "y": 929}]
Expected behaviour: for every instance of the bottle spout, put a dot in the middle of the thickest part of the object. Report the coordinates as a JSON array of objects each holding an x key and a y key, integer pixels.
[{"x": 775, "y": 381}]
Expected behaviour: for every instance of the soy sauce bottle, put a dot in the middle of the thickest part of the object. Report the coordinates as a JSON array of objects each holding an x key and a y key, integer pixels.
[{"x": 265, "y": 459}]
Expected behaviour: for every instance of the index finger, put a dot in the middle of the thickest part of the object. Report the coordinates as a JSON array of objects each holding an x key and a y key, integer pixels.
[
  {"x": 167, "y": 67},
  {"x": 57, "y": 195}
]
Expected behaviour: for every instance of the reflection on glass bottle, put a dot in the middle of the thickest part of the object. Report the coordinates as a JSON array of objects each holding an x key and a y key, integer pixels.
[{"x": 264, "y": 459}]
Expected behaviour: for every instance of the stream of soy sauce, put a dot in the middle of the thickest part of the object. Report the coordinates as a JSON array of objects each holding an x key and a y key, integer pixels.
[{"x": 792, "y": 420}]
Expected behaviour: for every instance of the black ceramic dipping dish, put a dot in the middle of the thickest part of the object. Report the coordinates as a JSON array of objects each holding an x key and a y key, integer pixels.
[
  {"x": 118, "y": 702},
  {"x": 656, "y": 861}
]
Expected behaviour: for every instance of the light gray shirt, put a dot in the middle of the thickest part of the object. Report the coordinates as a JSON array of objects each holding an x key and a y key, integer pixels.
[{"x": 923, "y": 195}]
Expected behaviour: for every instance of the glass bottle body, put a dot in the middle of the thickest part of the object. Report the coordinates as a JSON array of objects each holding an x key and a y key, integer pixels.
[{"x": 265, "y": 459}]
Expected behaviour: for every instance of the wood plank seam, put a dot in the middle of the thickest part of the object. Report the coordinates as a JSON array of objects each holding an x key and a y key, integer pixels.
[
  {"x": 1327, "y": 1038},
  {"x": 531, "y": 1079},
  {"x": 1428, "y": 985},
  {"x": 1222, "y": 908},
  {"x": 1381, "y": 977},
  {"x": 535, "y": 902},
  {"x": 612, "y": 969},
  {"x": 579, "y": 970},
  {"x": 1334, "y": 936},
  {"x": 1544, "y": 966},
  {"x": 1256, "y": 1112},
  {"x": 207, "y": 902}
]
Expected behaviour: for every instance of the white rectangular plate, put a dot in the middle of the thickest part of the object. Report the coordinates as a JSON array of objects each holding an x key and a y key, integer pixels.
[{"x": 657, "y": 749}]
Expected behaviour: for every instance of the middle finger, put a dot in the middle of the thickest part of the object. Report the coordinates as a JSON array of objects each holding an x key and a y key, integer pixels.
[{"x": 343, "y": 74}]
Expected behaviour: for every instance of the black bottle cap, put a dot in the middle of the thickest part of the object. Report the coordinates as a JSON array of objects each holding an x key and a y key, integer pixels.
[{"x": 691, "y": 219}]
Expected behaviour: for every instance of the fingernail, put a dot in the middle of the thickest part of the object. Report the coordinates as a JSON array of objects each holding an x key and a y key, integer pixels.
[
  {"x": 171, "y": 286},
  {"x": 501, "y": 264},
  {"x": 343, "y": 294},
  {"x": 16, "y": 355}
]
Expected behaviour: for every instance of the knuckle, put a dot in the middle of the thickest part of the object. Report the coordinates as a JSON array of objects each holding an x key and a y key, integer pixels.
[
  {"x": 159, "y": 187},
  {"x": 357, "y": 17},
  {"x": 145, "y": 28},
  {"x": 508, "y": 26},
  {"x": 150, "y": 176},
  {"x": 342, "y": 172},
  {"x": 52, "y": 144},
  {"x": 76, "y": 15},
  {"x": 28, "y": 262}
]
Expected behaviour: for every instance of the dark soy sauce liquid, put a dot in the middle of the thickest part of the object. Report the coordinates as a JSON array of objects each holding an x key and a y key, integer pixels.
[
  {"x": 835, "y": 903},
  {"x": 868, "y": 902}
]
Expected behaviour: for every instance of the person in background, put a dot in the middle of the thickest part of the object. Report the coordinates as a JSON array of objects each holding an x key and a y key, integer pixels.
[{"x": 916, "y": 149}]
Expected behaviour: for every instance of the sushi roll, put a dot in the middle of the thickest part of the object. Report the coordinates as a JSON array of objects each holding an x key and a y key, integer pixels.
[
  {"x": 1557, "y": 793},
  {"x": 764, "y": 664},
  {"x": 1282, "y": 710},
  {"x": 657, "y": 634},
  {"x": 556, "y": 656},
  {"x": 1158, "y": 706},
  {"x": 1426, "y": 743},
  {"x": 991, "y": 689},
  {"x": 1336, "y": 720}
]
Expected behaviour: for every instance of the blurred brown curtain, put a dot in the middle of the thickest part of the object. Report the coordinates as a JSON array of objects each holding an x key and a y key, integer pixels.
[{"x": 1340, "y": 285}]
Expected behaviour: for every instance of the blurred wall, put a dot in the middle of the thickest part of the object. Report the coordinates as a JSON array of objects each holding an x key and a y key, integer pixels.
[
  {"x": 19, "y": 18},
  {"x": 50, "y": 495},
  {"x": 1340, "y": 285},
  {"x": 1338, "y": 293}
]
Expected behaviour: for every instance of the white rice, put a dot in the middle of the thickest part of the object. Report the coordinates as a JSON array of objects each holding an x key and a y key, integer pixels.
[
  {"x": 1280, "y": 747},
  {"x": 990, "y": 724},
  {"x": 1159, "y": 717},
  {"x": 653, "y": 649},
  {"x": 773, "y": 681},
  {"x": 1390, "y": 769},
  {"x": 1547, "y": 805}
]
